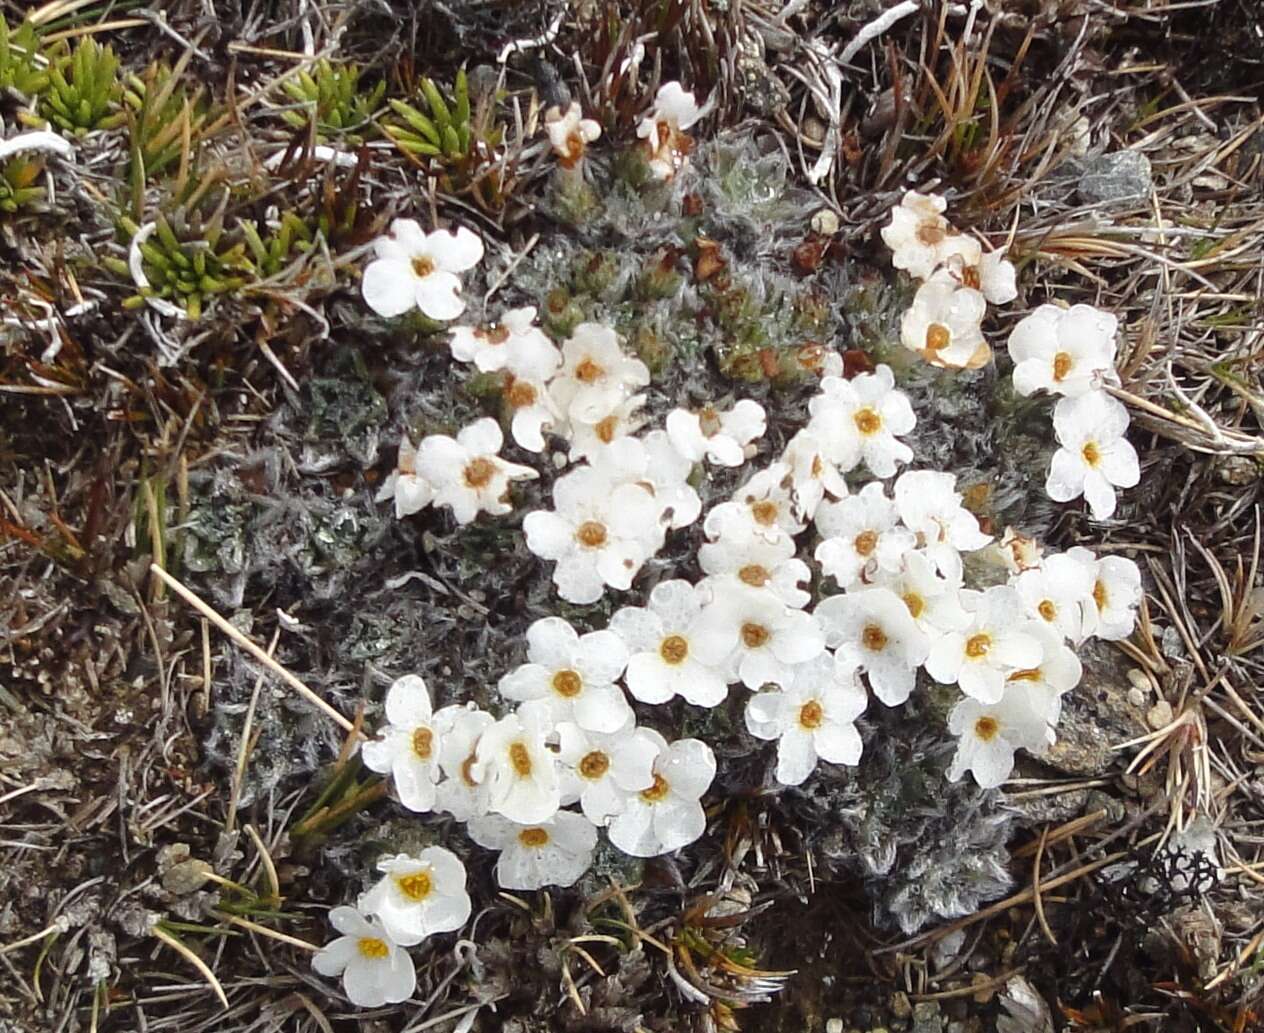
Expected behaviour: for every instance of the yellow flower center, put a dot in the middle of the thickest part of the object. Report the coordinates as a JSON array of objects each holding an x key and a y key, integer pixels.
[
  {"x": 811, "y": 715},
  {"x": 868, "y": 422},
  {"x": 1047, "y": 610},
  {"x": 372, "y": 947},
  {"x": 1100, "y": 596},
  {"x": 754, "y": 575},
  {"x": 657, "y": 791},
  {"x": 986, "y": 728},
  {"x": 915, "y": 603},
  {"x": 970, "y": 277},
  {"x": 673, "y": 649},
  {"x": 591, "y": 534},
  {"x": 593, "y": 765},
  {"x": 588, "y": 371},
  {"x": 765, "y": 512},
  {"x": 874, "y": 638},
  {"x": 467, "y": 771},
  {"x": 423, "y": 743},
  {"x": 423, "y": 267},
  {"x": 534, "y": 837},
  {"x": 709, "y": 421},
  {"x": 866, "y": 542},
  {"x": 496, "y": 334},
  {"x": 931, "y": 233},
  {"x": 606, "y": 428},
  {"x": 521, "y": 394},
  {"x": 937, "y": 337},
  {"x": 479, "y": 473},
  {"x": 754, "y": 635},
  {"x": 1092, "y": 455},
  {"x": 520, "y": 758},
  {"x": 1062, "y": 363},
  {"x": 567, "y": 684},
  {"x": 415, "y": 887},
  {"x": 977, "y": 646}
]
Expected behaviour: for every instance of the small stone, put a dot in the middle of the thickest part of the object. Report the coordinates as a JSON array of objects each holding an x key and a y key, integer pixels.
[
  {"x": 900, "y": 1006},
  {"x": 186, "y": 877},
  {"x": 833, "y": 1026},
  {"x": 825, "y": 222},
  {"x": 1139, "y": 680},
  {"x": 1136, "y": 697},
  {"x": 1117, "y": 176},
  {"x": 987, "y": 992},
  {"x": 1159, "y": 715},
  {"x": 927, "y": 1018}
]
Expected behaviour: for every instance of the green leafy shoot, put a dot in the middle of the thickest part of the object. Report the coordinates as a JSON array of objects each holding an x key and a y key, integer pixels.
[
  {"x": 165, "y": 119},
  {"x": 445, "y": 131},
  {"x": 16, "y": 184},
  {"x": 84, "y": 90},
  {"x": 20, "y": 63},
  {"x": 332, "y": 95}
]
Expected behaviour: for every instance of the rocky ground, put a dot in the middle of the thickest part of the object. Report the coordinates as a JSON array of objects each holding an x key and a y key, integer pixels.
[{"x": 169, "y": 848}]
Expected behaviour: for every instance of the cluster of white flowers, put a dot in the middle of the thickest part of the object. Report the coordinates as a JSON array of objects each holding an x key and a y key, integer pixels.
[
  {"x": 567, "y": 758},
  {"x": 1068, "y": 352}
]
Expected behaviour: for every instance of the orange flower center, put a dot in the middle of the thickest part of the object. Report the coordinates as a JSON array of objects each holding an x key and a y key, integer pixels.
[
  {"x": 931, "y": 233},
  {"x": 1061, "y": 366},
  {"x": 588, "y": 371},
  {"x": 1100, "y": 596},
  {"x": 520, "y": 758},
  {"x": 673, "y": 649},
  {"x": 754, "y": 635},
  {"x": 467, "y": 771},
  {"x": 423, "y": 267},
  {"x": 534, "y": 837},
  {"x": 591, "y": 534},
  {"x": 423, "y": 743},
  {"x": 986, "y": 728},
  {"x": 1030, "y": 674},
  {"x": 977, "y": 646},
  {"x": 657, "y": 791},
  {"x": 811, "y": 715},
  {"x": 915, "y": 603},
  {"x": 567, "y": 683},
  {"x": 479, "y": 473},
  {"x": 594, "y": 765},
  {"x": 867, "y": 421},
  {"x": 937, "y": 337},
  {"x": 521, "y": 394},
  {"x": 754, "y": 575},
  {"x": 1092, "y": 455},
  {"x": 606, "y": 428},
  {"x": 1047, "y": 610},
  {"x": 970, "y": 277},
  {"x": 866, "y": 542},
  {"x": 496, "y": 334},
  {"x": 765, "y": 512},
  {"x": 874, "y": 638}
]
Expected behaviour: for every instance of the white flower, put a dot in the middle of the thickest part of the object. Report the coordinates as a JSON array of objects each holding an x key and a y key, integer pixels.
[
  {"x": 570, "y": 133},
  {"x": 812, "y": 474},
  {"x": 547, "y": 853},
  {"x": 375, "y": 970},
  {"x": 812, "y": 717},
  {"x": 930, "y": 506},
  {"x": 944, "y": 324},
  {"x": 518, "y": 769},
  {"x": 761, "y": 506},
  {"x": 408, "y": 749},
  {"x": 992, "y": 275},
  {"x": 666, "y": 472},
  {"x": 721, "y": 438},
  {"x": 921, "y": 237},
  {"x": 532, "y": 410},
  {"x": 595, "y": 374},
  {"x": 741, "y": 558},
  {"x": 1064, "y": 351},
  {"x": 669, "y": 656},
  {"x": 1095, "y": 457},
  {"x": 573, "y": 674},
  {"x": 874, "y": 629},
  {"x": 1115, "y": 596},
  {"x": 590, "y": 440},
  {"x": 599, "y": 532},
  {"x": 667, "y": 146},
  {"x": 1019, "y": 552},
  {"x": 515, "y": 344},
  {"x": 860, "y": 536},
  {"x": 933, "y": 601},
  {"x": 467, "y": 473},
  {"x": 668, "y": 815},
  {"x": 419, "y": 895},
  {"x": 1057, "y": 593},
  {"x": 460, "y": 794},
  {"x": 410, "y": 492},
  {"x": 859, "y": 419},
  {"x": 416, "y": 269},
  {"x": 989, "y": 733},
  {"x": 602, "y": 771},
  {"x": 772, "y": 638},
  {"x": 1058, "y": 672},
  {"x": 996, "y": 643}
]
